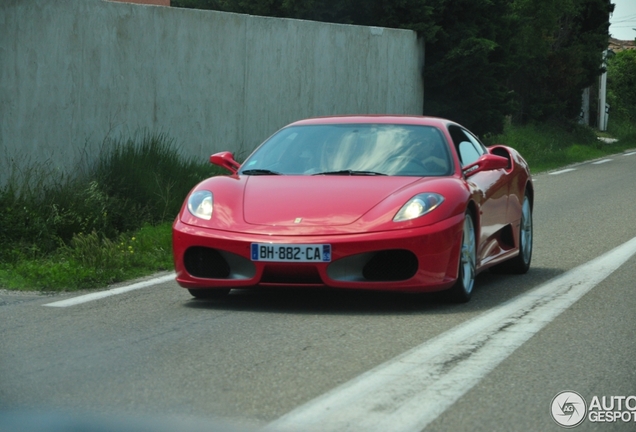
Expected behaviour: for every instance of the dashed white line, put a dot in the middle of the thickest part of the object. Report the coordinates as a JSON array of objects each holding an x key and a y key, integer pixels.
[
  {"x": 629, "y": 154},
  {"x": 601, "y": 161},
  {"x": 111, "y": 292},
  {"x": 412, "y": 390},
  {"x": 562, "y": 171}
]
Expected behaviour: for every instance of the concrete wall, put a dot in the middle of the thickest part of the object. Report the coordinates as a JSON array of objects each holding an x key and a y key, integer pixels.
[{"x": 73, "y": 72}]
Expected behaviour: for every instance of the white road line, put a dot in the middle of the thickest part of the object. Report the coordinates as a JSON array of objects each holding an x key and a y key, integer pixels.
[
  {"x": 101, "y": 294},
  {"x": 629, "y": 154},
  {"x": 562, "y": 171},
  {"x": 412, "y": 390},
  {"x": 601, "y": 161}
]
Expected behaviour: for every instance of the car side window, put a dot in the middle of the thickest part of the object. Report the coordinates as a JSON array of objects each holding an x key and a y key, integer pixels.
[
  {"x": 481, "y": 149},
  {"x": 468, "y": 147},
  {"x": 467, "y": 153}
]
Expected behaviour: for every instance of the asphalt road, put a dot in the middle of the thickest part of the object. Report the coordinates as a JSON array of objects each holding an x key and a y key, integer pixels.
[{"x": 258, "y": 359}]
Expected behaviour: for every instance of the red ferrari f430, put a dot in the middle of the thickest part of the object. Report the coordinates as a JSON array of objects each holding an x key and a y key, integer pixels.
[{"x": 395, "y": 203}]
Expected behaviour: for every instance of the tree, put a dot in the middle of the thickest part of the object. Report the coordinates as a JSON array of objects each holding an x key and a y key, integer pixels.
[
  {"x": 467, "y": 64},
  {"x": 407, "y": 14},
  {"x": 485, "y": 59},
  {"x": 558, "y": 54},
  {"x": 527, "y": 58},
  {"x": 621, "y": 82}
]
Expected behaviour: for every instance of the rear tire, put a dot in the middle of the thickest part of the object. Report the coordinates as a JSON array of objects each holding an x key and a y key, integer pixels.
[
  {"x": 207, "y": 294},
  {"x": 463, "y": 288}
]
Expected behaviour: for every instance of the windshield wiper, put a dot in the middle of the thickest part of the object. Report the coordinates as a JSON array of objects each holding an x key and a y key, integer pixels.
[
  {"x": 351, "y": 173},
  {"x": 260, "y": 172}
]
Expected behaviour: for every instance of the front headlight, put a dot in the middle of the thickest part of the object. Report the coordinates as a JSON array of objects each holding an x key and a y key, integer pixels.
[
  {"x": 200, "y": 204},
  {"x": 418, "y": 206}
]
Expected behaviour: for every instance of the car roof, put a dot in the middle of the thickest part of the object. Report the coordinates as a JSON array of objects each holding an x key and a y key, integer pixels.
[{"x": 375, "y": 119}]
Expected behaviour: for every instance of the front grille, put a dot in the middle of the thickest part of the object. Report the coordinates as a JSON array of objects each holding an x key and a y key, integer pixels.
[
  {"x": 205, "y": 263},
  {"x": 390, "y": 265}
]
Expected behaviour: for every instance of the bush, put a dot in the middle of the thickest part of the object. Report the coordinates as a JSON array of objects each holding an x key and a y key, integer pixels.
[
  {"x": 147, "y": 179},
  {"x": 621, "y": 95},
  {"x": 549, "y": 146},
  {"x": 84, "y": 217},
  {"x": 91, "y": 261}
]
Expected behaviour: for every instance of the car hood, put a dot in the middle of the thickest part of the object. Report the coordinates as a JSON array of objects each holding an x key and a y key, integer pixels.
[{"x": 315, "y": 200}]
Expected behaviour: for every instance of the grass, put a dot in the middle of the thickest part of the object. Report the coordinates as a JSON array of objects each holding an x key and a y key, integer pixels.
[
  {"x": 108, "y": 222},
  {"x": 547, "y": 147},
  {"x": 111, "y": 220},
  {"x": 92, "y": 261}
]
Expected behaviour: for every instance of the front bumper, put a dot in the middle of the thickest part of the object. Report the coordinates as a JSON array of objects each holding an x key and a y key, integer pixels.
[{"x": 411, "y": 260}]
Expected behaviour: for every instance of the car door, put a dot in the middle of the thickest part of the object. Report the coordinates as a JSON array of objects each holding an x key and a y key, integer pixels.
[{"x": 490, "y": 191}]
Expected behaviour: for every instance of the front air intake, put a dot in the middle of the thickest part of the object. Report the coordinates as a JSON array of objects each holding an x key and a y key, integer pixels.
[
  {"x": 390, "y": 265},
  {"x": 205, "y": 263}
]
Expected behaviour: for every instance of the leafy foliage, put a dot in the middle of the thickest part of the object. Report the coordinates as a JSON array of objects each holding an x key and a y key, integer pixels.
[
  {"x": 64, "y": 232},
  {"x": 547, "y": 146},
  {"x": 134, "y": 182},
  {"x": 485, "y": 59},
  {"x": 145, "y": 178},
  {"x": 91, "y": 261},
  {"x": 558, "y": 55},
  {"x": 466, "y": 66},
  {"x": 409, "y": 14},
  {"x": 621, "y": 83}
]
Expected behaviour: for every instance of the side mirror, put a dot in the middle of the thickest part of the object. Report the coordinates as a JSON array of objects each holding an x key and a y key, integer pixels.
[
  {"x": 225, "y": 160},
  {"x": 488, "y": 162}
]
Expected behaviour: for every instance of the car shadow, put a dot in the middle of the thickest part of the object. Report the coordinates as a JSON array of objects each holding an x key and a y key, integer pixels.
[{"x": 491, "y": 290}]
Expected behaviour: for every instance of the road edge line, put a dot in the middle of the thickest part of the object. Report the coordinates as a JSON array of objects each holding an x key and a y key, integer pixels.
[{"x": 111, "y": 292}]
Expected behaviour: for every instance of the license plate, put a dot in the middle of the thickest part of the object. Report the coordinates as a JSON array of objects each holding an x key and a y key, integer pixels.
[{"x": 291, "y": 252}]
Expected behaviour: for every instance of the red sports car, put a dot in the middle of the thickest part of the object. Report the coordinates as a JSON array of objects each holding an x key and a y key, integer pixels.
[{"x": 396, "y": 203}]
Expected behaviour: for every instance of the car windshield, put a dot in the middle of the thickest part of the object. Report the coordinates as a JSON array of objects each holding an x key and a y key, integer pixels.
[{"x": 352, "y": 149}]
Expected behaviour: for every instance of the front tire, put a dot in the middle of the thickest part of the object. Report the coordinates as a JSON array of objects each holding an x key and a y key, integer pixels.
[
  {"x": 463, "y": 288},
  {"x": 521, "y": 263},
  {"x": 209, "y": 294}
]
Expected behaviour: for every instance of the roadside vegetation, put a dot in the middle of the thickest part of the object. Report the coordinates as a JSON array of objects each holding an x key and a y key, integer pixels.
[
  {"x": 111, "y": 221},
  {"x": 549, "y": 146},
  {"x": 621, "y": 95},
  {"x": 106, "y": 222}
]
